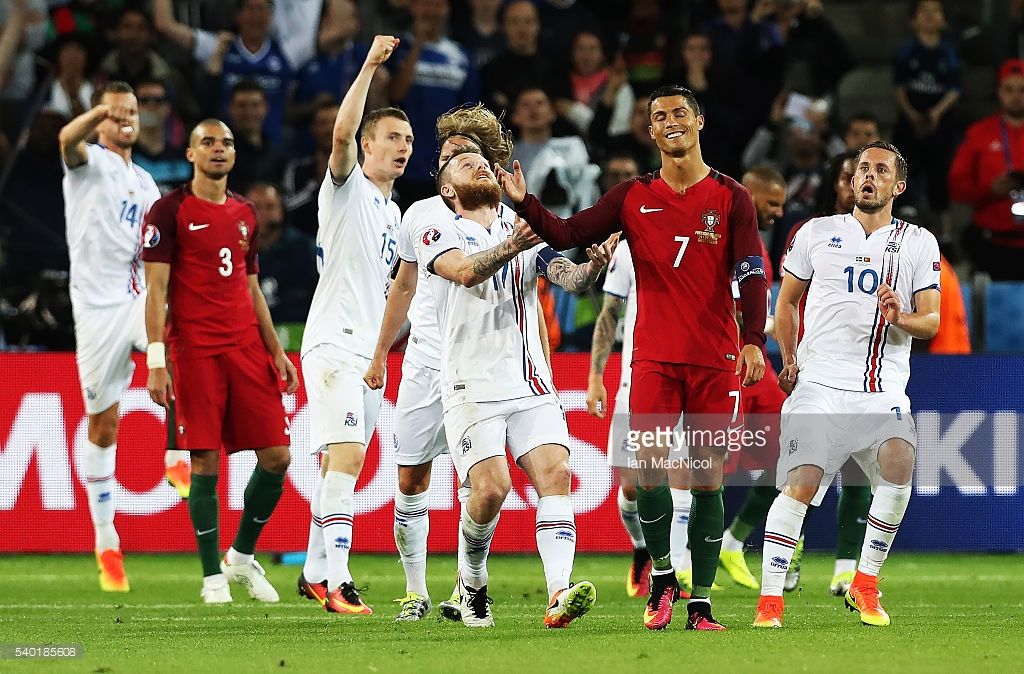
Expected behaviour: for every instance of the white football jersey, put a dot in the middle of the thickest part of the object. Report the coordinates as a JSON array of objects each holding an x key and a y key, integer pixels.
[
  {"x": 847, "y": 343},
  {"x": 490, "y": 340},
  {"x": 357, "y": 252},
  {"x": 105, "y": 203},
  {"x": 424, "y": 347},
  {"x": 621, "y": 282}
]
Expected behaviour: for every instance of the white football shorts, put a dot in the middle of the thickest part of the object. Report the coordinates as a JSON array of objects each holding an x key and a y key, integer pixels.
[
  {"x": 342, "y": 408},
  {"x": 419, "y": 416},
  {"x": 105, "y": 338}
]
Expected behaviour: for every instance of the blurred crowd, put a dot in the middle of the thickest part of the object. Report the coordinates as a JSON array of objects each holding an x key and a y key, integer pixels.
[{"x": 781, "y": 85}]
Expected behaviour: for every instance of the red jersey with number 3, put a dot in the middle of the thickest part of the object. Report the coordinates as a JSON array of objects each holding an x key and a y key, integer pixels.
[
  {"x": 212, "y": 250},
  {"x": 686, "y": 249}
]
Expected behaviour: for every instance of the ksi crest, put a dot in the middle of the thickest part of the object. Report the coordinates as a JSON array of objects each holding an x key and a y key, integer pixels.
[
  {"x": 709, "y": 219},
  {"x": 243, "y": 231}
]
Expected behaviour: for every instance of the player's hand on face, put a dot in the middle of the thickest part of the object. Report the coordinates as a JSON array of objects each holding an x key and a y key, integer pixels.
[
  {"x": 601, "y": 253},
  {"x": 286, "y": 370},
  {"x": 752, "y": 361},
  {"x": 381, "y": 50},
  {"x": 374, "y": 376},
  {"x": 512, "y": 184},
  {"x": 889, "y": 304},
  {"x": 523, "y": 237},
  {"x": 787, "y": 378},
  {"x": 161, "y": 391},
  {"x": 597, "y": 397}
]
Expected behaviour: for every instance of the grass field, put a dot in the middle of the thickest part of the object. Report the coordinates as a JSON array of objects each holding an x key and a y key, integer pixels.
[{"x": 950, "y": 613}]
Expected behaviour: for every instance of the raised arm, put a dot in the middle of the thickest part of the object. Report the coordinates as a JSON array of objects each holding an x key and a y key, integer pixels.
[
  {"x": 472, "y": 270},
  {"x": 588, "y": 226},
  {"x": 73, "y": 135},
  {"x": 787, "y": 327},
  {"x": 396, "y": 310},
  {"x": 175, "y": 31},
  {"x": 600, "y": 349},
  {"x": 576, "y": 278},
  {"x": 345, "y": 149},
  {"x": 271, "y": 342}
]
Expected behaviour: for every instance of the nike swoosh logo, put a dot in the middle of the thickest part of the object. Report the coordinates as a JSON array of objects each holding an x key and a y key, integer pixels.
[
  {"x": 652, "y": 521},
  {"x": 259, "y": 521},
  {"x": 203, "y": 533},
  {"x": 644, "y": 209},
  {"x": 708, "y": 539},
  {"x": 193, "y": 227}
]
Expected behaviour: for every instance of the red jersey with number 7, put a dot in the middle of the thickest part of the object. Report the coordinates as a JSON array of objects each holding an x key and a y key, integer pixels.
[
  {"x": 212, "y": 250},
  {"x": 686, "y": 249}
]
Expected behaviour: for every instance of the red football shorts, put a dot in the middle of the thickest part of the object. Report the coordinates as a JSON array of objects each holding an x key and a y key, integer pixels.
[
  {"x": 659, "y": 392},
  {"x": 230, "y": 400},
  {"x": 762, "y": 406}
]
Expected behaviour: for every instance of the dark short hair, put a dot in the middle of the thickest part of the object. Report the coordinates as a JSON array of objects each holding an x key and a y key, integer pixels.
[
  {"x": 112, "y": 87},
  {"x": 916, "y": 4},
  {"x": 137, "y": 9},
  {"x": 863, "y": 116},
  {"x": 901, "y": 162},
  {"x": 767, "y": 175},
  {"x": 674, "y": 90},
  {"x": 825, "y": 198},
  {"x": 245, "y": 86},
  {"x": 371, "y": 119}
]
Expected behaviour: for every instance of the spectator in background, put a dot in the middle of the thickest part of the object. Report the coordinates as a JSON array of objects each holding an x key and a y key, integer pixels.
[
  {"x": 134, "y": 59},
  {"x": 480, "y": 31},
  {"x": 862, "y": 129},
  {"x": 644, "y": 45},
  {"x": 430, "y": 75},
  {"x": 722, "y": 140},
  {"x": 287, "y": 258},
  {"x": 927, "y": 75},
  {"x": 617, "y": 168},
  {"x": 561, "y": 18},
  {"x": 558, "y": 169},
  {"x": 988, "y": 174},
  {"x": 328, "y": 76},
  {"x": 520, "y": 64},
  {"x": 638, "y": 143},
  {"x": 24, "y": 34},
  {"x": 252, "y": 55},
  {"x": 71, "y": 93},
  {"x": 256, "y": 158},
  {"x": 587, "y": 81},
  {"x": 767, "y": 190},
  {"x": 160, "y": 149},
  {"x": 730, "y": 30},
  {"x": 303, "y": 176}
]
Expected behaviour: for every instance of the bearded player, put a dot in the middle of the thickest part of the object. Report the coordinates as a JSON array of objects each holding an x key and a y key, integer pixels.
[
  {"x": 875, "y": 289},
  {"x": 200, "y": 253},
  {"x": 691, "y": 230},
  {"x": 106, "y": 197},
  {"x": 419, "y": 418}
]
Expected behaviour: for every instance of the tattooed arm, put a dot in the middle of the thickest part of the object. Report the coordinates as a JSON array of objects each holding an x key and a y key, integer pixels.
[
  {"x": 576, "y": 278},
  {"x": 604, "y": 339},
  {"x": 472, "y": 270}
]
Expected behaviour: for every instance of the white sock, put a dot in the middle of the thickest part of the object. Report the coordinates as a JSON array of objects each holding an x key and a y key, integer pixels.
[
  {"x": 173, "y": 456},
  {"x": 99, "y": 485},
  {"x": 845, "y": 566},
  {"x": 412, "y": 524},
  {"x": 235, "y": 557},
  {"x": 476, "y": 544},
  {"x": 556, "y": 540},
  {"x": 336, "y": 524},
  {"x": 631, "y": 520},
  {"x": 730, "y": 543},
  {"x": 315, "y": 567},
  {"x": 679, "y": 537},
  {"x": 887, "y": 508},
  {"x": 781, "y": 531}
]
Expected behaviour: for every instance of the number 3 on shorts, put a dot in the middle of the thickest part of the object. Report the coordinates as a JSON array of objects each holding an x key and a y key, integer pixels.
[{"x": 226, "y": 266}]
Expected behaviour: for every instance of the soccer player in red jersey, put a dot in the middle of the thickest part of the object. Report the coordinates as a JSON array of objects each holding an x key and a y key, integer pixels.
[
  {"x": 199, "y": 246},
  {"x": 691, "y": 229}
]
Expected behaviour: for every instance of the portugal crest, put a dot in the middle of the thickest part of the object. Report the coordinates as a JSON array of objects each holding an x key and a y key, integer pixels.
[
  {"x": 243, "y": 232},
  {"x": 709, "y": 219}
]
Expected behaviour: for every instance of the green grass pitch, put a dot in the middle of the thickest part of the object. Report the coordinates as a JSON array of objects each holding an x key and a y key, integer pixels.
[{"x": 951, "y": 613}]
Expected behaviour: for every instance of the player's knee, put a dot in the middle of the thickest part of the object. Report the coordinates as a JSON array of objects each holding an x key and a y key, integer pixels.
[
  {"x": 412, "y": 482},
  {"x": 103, "y": 429},
  {"x": 205, "y": 462},
  {"x": 803, "y": 493},
  {"x": 492, "y": 492},
  {"x": 276, "y": 462},
  {"x": 557, "y": 479},
  {"x": 629, "y": 489}
]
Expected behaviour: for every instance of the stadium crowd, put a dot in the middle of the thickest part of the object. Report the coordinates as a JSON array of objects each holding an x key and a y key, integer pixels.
[{"x": 571, "y": 79}]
